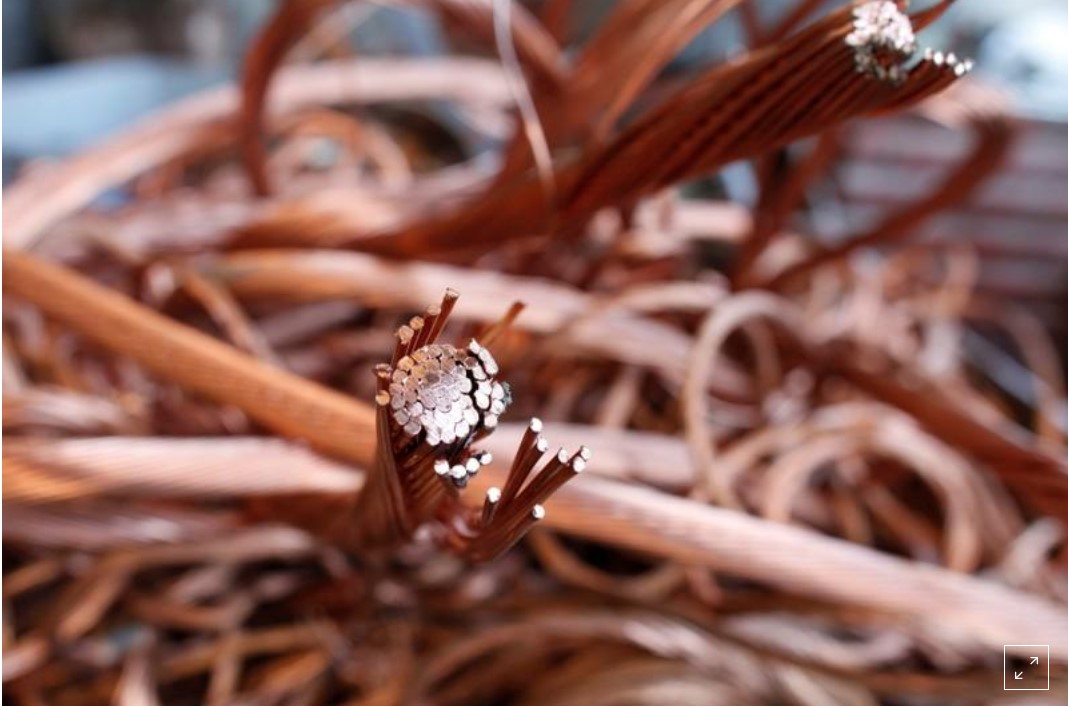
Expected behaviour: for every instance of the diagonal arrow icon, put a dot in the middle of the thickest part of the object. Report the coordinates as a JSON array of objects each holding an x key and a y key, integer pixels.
[{"x": 1024, "y": 669}]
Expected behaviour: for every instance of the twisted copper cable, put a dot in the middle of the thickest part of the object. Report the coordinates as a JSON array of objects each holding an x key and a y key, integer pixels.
[{"x": 434, "y": 402}]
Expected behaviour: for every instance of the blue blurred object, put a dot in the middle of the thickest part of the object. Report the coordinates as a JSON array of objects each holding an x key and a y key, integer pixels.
[
  {"x": 20, "y": 35},
  {"x": 1029, "y": 55},
  {"x": 59, "y": 109},
  {"x": 56, "y": 110}
]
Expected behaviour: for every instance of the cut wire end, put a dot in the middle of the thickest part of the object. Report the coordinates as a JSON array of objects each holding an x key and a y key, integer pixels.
[
  {"x": 435, "y": 401},
  {"x": 509, "y": 513},
  {"x": 883, "y": 41}
]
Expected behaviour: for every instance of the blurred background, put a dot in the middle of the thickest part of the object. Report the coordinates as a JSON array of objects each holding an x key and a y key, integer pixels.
[
  {"x": 115, "y": 60},
  {"x": 110, "y": 62}
]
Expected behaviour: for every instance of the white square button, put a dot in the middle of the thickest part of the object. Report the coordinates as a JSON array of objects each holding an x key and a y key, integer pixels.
[{"x": 1029, "y": 670}]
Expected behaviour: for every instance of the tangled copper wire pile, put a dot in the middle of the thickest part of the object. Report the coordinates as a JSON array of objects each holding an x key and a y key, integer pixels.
[{"x": 245, "y": 463}]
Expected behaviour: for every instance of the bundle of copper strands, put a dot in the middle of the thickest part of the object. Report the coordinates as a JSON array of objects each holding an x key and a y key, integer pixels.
[{"x": 435, "y": 401}]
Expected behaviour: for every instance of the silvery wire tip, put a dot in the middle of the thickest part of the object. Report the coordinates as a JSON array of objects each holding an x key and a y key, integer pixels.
[
  {"x": 882, "y": 40},
  {"x": 442, "y": 398},
  {"x": 435, "y": 402}
]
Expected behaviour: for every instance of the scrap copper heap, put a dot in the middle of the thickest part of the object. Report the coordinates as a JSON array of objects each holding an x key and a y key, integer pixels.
[
  {"x": 435, "y": 402},
  {"x": 831, "y": 465}
]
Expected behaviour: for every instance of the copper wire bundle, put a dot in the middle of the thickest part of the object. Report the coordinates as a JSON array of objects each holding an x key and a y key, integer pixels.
[
  {"x": 246, "y": 464},
  {"x": 434, "y": 401}
]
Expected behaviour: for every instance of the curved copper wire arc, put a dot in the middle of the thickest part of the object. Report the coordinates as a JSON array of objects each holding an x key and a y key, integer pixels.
[
  {"x": 1027, "y": 557},
  {"x": 267, "y": 52},
  {"x": 711, "y": 336},
  {"x": 360, "y": 139},
  {"x": 168, "y": 172},
  {"x": 1017, "y": 464},
  {"x": 739, "y": 457},
  {"x": 768, "y": 372},
  {"x": 650, "y": 587},
  {"x": 37, "y": 201},
  {"x": 938, "y": 465}
]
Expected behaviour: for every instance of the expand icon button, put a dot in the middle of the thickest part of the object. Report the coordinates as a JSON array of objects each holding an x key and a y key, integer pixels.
[{"x": 1027, "y": 668}]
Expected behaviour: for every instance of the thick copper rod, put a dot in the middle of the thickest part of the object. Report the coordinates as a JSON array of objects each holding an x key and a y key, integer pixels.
[{"x": 292, "y": 407}]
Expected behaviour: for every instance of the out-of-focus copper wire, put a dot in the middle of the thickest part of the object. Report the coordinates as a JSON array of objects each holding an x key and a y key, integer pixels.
[{"x": 768, "y": 417}]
